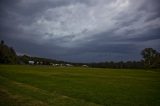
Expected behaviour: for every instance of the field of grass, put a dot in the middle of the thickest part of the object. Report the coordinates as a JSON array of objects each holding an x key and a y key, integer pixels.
[{"x": 77, "y": 86}]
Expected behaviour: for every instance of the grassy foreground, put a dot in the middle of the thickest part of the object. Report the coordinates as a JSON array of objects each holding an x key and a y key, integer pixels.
[{"x": 77, "y": 86}]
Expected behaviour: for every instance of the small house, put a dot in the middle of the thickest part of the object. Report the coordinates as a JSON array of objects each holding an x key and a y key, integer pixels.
[{"x": 31, "y": 62}]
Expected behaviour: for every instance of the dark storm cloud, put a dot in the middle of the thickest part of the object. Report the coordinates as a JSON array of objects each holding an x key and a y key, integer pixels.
[{"x": 81, "y": 30}]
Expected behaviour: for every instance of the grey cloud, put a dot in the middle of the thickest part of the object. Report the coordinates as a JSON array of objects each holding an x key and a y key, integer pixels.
[{"x": 81, "y": 30}]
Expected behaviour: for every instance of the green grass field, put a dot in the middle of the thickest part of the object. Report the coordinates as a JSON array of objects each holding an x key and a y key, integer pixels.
[{"x": 77, "y": 86}]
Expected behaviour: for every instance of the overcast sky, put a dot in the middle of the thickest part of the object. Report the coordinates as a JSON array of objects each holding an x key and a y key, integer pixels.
[{"x": 81, "y": 30}]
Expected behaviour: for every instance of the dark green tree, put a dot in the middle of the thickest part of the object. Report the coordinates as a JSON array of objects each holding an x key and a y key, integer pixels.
[
  {"x": 150, "y": 57},
  {"x": 2, "y": 42},
  {"x": 7, "y": 54}
]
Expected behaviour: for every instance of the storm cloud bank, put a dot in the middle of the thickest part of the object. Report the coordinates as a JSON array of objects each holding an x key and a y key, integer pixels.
[{"x": 81, "y": 30}]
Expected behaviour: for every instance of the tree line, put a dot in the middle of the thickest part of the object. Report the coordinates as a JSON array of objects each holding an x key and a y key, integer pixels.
[{"x": 151, "y": 59}]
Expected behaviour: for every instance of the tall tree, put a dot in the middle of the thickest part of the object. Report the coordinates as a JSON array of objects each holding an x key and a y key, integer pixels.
[
  {"x": 2, "y": 42},
  {"x": 150, "y": 57},
  {"x": 7, "y": 54}
]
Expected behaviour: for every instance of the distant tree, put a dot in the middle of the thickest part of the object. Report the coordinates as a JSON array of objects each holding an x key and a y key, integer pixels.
[
  {"x": 2, "y": 42},
  {"x": 24, "y": 59},
  {"x": 150, "y": 57},
  {"x": 157, "y": 60}
]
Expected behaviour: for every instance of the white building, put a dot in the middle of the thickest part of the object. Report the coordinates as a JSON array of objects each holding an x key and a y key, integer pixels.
[
  {"x": 69, "y": 65},
  {"x": 31, "y": 62},
  {"x": 84, "y": 66}
]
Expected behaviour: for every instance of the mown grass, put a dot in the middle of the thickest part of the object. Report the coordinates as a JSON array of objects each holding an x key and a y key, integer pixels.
[{"x": 77, "y": 86}]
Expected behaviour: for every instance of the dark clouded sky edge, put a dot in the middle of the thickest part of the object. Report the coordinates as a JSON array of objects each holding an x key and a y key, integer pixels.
[{"x": 81, "y": 30}]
